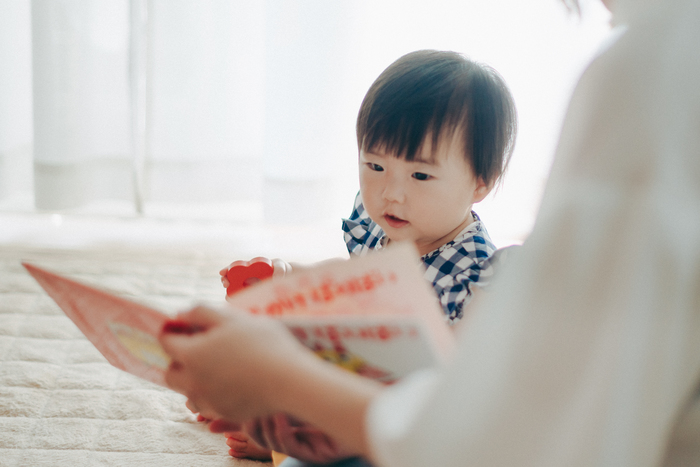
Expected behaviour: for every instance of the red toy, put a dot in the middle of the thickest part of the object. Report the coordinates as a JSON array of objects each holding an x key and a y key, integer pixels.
[{"x": 242, "y": 274}]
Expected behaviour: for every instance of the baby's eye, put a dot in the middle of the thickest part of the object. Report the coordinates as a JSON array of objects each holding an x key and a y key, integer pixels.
[
  {"x": 375, "y": 167},
  {"x": 421, "y": 176}
]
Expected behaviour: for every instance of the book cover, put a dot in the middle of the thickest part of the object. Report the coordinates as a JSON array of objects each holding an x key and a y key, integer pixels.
[{"x": 125, "y": 332}]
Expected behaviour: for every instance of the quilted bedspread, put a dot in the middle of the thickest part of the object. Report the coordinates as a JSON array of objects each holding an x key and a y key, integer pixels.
[{"x": 61, "y": 403}]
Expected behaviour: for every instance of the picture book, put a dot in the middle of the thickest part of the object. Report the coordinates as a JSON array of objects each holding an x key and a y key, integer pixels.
[{"x": 373, "y": 315}]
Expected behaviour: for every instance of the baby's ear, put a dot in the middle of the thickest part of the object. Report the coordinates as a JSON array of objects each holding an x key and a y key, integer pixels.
[{"x": 482, "y": 190}]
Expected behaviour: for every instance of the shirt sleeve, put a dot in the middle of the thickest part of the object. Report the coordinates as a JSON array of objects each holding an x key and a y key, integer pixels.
[
  {"x": 360, "y": 233},
  {"x": 454, "y": 290},
  {"x": 454, "y": 271},
  {"x": 585, "y": 350}
]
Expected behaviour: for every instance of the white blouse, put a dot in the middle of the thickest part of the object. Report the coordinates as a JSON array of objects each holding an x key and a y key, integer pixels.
[{"x": 587, "y": 350}]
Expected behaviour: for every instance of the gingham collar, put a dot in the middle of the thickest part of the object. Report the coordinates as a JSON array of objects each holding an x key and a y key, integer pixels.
[{"x": 471, "y": 229}]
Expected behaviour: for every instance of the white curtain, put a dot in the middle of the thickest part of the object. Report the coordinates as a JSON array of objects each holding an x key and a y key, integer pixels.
[{"x": 245, "y": 109}]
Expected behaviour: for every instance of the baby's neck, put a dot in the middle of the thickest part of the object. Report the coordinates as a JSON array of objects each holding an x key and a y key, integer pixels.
[{"x": 424, "y": 249}]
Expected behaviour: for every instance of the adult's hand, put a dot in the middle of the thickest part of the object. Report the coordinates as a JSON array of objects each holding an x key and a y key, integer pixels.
[
  {"x": 230, "y": 362},
  {"x": 237, "y": 367}
]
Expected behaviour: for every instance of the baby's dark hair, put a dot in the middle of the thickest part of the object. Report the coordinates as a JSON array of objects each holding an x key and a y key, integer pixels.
[{"x": 436, "y": 93}]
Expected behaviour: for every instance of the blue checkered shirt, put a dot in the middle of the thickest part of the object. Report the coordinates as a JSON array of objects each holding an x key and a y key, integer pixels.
[{"x": 452, "y": 269}]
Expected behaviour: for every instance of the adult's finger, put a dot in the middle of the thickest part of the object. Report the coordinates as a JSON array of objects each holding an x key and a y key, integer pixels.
[
  {"x": 221, "y": 426},
  {"x": 177, "y": 347},
  {"x": 189, "y": 403},
  {"x": 176, "y": 379},
  {"x": 208, "y": 414},
  {"x": 175, "y": 338},
  {"x": 202, "y": 317}
]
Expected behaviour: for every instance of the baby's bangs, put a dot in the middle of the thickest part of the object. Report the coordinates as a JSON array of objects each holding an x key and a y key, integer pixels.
[{"x": 404, "y": 132}]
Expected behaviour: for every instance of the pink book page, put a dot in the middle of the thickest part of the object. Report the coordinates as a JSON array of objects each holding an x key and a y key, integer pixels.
[{"x": 125, "y": 332}]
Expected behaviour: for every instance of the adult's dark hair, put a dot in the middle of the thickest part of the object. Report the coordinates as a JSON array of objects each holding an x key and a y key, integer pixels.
[{"x": 436, "y": 93}]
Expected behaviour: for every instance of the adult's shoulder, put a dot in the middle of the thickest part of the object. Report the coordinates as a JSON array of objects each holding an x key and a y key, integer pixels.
[{"x": 635, "y": 100}]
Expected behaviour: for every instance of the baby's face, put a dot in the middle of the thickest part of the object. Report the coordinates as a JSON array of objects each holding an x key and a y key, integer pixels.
[{"x": 427, "y": 201}]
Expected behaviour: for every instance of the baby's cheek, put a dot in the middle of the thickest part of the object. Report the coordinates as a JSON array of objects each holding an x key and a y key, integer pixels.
[
  {"x": 371, "y": 210},
  {"x": 441, "y": 221}
]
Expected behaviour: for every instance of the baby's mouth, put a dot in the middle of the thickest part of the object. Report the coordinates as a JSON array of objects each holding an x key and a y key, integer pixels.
[{"x": 395, "y": 222}]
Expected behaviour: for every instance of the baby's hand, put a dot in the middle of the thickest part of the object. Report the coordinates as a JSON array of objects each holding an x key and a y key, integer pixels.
[
  {"x": 241, "y": 274},
  {"x": 281, "y": 268}
]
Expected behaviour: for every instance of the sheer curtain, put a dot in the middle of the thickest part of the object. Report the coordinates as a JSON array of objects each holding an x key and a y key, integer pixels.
[{"x": 245, "y": 110}]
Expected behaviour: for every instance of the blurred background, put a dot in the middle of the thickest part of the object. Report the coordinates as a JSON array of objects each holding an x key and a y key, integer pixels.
[{"x": 229, "y": 125}]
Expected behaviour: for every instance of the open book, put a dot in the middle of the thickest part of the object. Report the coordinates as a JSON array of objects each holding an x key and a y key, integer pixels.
[{"x": 374, "y": 315}]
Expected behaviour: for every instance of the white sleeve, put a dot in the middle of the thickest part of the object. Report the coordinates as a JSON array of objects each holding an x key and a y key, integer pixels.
[
  {"x": 396, "y": 409},
  {"x": 587, "y": 349}
]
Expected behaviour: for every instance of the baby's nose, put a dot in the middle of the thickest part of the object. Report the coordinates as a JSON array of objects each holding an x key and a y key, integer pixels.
[{"x": 394, "y": 191}]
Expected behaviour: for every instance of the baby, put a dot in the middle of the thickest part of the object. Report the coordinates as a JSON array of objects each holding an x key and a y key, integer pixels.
[{"x": 435, "y": 133}]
